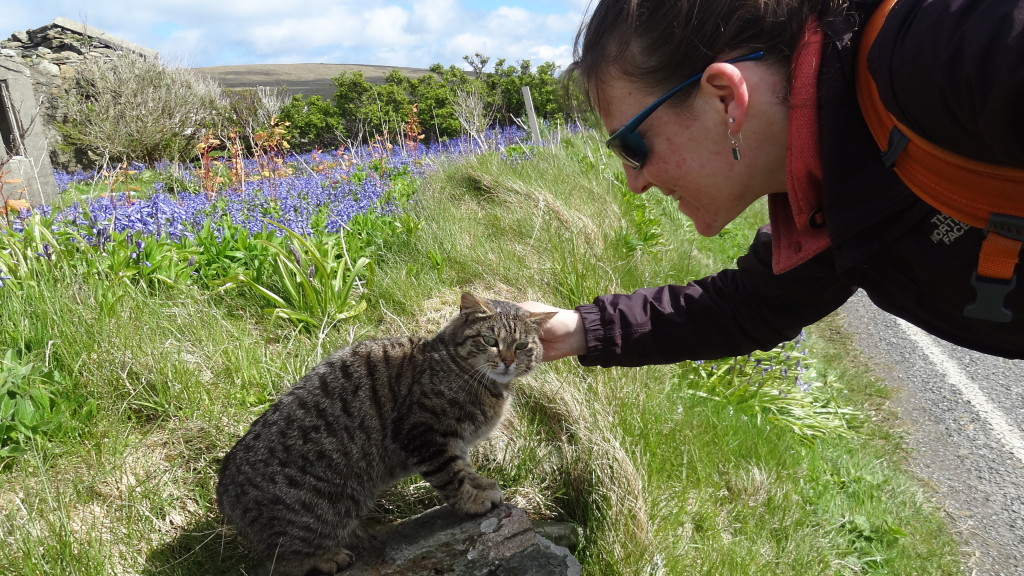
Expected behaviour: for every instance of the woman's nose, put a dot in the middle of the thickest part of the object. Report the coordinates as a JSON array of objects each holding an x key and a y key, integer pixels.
[{"x": 635, "y": 179}]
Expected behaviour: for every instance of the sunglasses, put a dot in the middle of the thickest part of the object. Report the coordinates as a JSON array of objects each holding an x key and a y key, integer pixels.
[{"x": 628, "y": 145}]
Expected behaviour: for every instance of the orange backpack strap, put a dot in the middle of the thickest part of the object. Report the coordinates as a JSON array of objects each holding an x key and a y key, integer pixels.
[{"x": 980, "y": 194}]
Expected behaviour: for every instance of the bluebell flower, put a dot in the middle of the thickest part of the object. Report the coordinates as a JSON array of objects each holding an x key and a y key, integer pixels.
[{"x": 322, "y": 192}]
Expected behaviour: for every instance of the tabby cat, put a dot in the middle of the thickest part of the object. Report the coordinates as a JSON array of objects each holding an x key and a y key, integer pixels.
[{"x": 297, "y": 483}]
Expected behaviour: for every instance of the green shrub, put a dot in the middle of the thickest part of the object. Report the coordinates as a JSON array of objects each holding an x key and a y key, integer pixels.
[
  {"x": 449, "y": 103},
  {"x": 133, "y": 109},
  {"x": 434, "y": 93},
  {"x": 312, "y": 123},
  {"x": 33, "y": 409},
  {"x": 353, "y": 91},
  {"x": 387, "y": 107}
]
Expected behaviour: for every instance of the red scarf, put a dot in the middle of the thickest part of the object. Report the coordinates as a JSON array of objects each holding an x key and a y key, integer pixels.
[{"x": 794, "y": 240}]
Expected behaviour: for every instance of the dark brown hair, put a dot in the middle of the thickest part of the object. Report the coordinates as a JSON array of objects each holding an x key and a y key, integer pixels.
[{"x": 660, "y": 43}]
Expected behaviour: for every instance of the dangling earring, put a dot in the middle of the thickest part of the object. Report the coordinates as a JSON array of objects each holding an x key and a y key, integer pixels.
[{"x": 735, "y": 139}]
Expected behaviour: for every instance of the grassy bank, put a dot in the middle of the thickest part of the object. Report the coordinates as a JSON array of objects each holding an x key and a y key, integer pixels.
[{"x": 688, "y": 469}]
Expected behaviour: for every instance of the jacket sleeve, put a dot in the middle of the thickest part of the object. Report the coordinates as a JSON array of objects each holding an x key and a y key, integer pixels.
[{"x": 730, "y": 313}]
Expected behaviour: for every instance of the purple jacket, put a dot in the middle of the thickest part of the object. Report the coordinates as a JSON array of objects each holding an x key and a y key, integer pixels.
[{"x": 952, "y": 71}]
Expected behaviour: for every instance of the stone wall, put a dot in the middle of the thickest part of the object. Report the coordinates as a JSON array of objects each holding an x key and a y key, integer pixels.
[
  {"x": 33, "y": 63},
  {"x": 53, "y": 51}
]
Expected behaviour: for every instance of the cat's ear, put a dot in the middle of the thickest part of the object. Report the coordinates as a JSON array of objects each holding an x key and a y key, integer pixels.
[
  {"x": 472, "y": 305},
  {"x": 539, "y": 319}
]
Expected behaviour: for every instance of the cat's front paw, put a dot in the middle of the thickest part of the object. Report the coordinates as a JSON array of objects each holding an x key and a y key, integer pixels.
[
  {"x": 325, "y": 565},
  {"x": 478, "y": 496}
]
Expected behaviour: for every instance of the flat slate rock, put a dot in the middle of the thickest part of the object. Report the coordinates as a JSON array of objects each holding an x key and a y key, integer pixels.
[{"x": 443, "y": 542}]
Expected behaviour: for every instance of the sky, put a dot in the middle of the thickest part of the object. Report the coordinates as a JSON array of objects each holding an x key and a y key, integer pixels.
[{"x": 401, "y": 33}]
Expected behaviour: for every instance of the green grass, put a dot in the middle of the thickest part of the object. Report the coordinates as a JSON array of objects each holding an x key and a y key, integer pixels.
[{"x": 667, "y": 470}]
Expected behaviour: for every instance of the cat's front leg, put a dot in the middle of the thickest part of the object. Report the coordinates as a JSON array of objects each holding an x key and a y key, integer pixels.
[
  {"x": 463, "y": 488},
  {"x": 442, "y": 458}
]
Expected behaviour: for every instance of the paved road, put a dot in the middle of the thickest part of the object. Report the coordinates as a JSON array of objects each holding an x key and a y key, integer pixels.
[{"x": 964, "y": 413}]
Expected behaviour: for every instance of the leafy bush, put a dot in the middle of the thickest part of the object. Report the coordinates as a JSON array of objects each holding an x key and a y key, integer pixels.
[
  {"x": 312, "y": 123},
  {"x": 449, "y": 103},
  {"x": 131, "y": 108},
  {"x": 387, "y": 107},
  {"x": 31, "y": 409},
  {"x": 353, "y": 94},
  {"x": 435, "y": 93},
  {"x": 316, "y": 278}
]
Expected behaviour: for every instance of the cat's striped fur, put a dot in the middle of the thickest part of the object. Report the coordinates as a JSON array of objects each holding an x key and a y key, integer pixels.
[{"x": 297, "y": 483}]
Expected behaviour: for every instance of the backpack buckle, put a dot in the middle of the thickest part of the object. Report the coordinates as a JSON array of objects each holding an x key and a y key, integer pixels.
[
  {"x": 991, "y": 293},
  {"x": 996, "y": 274}
]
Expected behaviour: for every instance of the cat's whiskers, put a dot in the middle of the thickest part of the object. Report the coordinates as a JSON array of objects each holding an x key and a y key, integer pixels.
[
  {"x": 484, "y": 378},
  {"x": 479, "y": 377}
]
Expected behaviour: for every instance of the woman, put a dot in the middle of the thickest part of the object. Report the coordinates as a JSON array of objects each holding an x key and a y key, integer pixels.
[{"x": 770, "y": 109}]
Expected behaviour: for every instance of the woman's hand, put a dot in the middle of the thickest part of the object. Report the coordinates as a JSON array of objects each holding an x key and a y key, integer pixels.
[{"x": 563, "y": 335}]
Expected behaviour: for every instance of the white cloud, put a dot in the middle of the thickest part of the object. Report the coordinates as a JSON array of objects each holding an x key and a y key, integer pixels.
[
  {"x": 391, "y": 32},
  {"x": 436, "y": 17},
  {"x": 561, "y": 55},
  {"x": 509, "y": 18},
  {"x": 386, "y": 27},
  {"x": 469, "y": 43}
]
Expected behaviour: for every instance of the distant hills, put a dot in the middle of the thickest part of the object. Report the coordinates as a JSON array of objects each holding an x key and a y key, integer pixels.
[
  {"x": 60, "y": 42},
  {"x": 305, "y": 79}
]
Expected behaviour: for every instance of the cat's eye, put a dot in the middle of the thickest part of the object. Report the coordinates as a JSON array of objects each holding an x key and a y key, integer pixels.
[
  {"x": 522, "y": 345},
  {"x": 491, "y": 341}
]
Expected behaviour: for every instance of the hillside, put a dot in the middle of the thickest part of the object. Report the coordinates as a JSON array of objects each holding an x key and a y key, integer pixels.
[{"x": 305, "y": 79}]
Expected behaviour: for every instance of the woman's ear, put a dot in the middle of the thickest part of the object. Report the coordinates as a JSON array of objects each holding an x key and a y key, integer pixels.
[{"x": 724, "y": 88}]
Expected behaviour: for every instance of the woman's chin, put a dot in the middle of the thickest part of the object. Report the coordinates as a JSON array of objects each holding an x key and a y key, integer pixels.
[{"x": 707, "y": 229}]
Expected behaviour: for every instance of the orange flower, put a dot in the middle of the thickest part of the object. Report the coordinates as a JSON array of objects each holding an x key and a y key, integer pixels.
[{"x": 16, "y": 205}]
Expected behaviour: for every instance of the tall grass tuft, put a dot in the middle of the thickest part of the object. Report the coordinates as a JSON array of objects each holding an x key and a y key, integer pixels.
[{"x": 317, "y": 278}]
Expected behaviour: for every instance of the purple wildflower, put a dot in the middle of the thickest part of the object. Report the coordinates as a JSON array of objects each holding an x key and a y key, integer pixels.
[{"x": 321, "y": 195}]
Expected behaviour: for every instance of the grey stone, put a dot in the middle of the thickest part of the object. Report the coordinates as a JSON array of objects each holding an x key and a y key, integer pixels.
[
  {"x": 32, "y": 169},
  {"x": 47, "y": 67},
  {"x": 97, "y": 34},
  {"x": 441, "y": 541},
  {"x": 561, "y": 533},
  {"x": 37, "y": 35}
]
